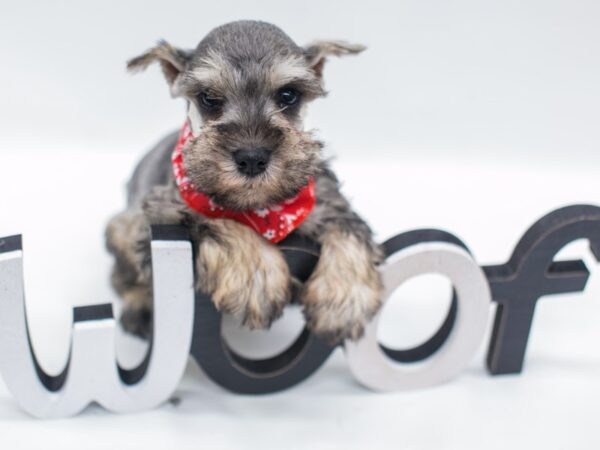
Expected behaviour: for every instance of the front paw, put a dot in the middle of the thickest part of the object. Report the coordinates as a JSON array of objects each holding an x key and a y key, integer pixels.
[
  {"x": 344, "y": 292},
  {"x": 245, "y": 274}
]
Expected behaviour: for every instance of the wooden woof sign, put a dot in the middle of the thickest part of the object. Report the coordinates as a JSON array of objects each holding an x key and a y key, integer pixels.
[{"x": 186, "y": 321}]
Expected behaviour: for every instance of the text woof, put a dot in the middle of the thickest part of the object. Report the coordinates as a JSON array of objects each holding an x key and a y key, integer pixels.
[{"x": 186, "y": 321}]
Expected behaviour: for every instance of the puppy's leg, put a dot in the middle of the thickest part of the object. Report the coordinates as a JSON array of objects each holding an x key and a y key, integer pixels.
[
  {"x": 344, "y": 291},
  {"x": 128, "y": 239},
  {"x": 245, "y": 274}
]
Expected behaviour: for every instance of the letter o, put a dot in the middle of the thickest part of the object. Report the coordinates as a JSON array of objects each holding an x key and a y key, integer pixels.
[{"x": 374, "y": 369}]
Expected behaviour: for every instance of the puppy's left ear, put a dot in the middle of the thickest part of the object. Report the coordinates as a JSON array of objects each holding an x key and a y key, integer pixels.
[
  {"x": 173, "y": 61},
  {"x": 316, "y": 53}
]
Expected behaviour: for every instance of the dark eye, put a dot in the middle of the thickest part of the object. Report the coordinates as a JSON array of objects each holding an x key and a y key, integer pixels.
[
  {"x": 210, "y": 102},
  {"x": 288, "y": 96}
]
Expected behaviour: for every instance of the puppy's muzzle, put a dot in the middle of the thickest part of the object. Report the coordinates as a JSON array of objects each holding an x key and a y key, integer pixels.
[{"x": 252, "y": 161}]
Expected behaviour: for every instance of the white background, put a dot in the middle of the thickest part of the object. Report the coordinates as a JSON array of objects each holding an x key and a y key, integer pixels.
[{"x": 473, "y": 116}]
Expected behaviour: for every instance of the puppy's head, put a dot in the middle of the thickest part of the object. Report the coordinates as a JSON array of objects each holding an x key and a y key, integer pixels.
[{"x": 247, "y": 85}]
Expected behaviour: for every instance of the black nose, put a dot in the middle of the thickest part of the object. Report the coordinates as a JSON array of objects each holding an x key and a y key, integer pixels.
[{"x": 252, "y": 161}]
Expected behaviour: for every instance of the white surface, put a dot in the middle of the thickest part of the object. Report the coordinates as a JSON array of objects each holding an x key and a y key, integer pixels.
[
  {"x": 477, "y": 117},
  {"x": 552, "y": 404}
]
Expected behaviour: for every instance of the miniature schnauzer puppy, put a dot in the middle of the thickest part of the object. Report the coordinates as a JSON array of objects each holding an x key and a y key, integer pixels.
[{"x": 246, "y": 86}]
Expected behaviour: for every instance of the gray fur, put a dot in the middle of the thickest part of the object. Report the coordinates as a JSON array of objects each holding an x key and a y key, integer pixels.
[
  {"x": 244, "y": 65},
  {"x": 153, "y": 170}
]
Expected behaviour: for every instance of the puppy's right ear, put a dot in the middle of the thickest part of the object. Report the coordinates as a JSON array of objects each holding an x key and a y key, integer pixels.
[
  {"x": 172, "y": 60},
  {"x": 319, "y": 51}
]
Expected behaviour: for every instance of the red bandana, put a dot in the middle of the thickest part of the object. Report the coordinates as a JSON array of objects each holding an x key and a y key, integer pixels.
[{"x": 273, "y": 222}]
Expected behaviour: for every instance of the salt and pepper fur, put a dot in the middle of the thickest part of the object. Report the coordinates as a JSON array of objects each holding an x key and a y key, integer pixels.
[{"x": 246, "y": 63}]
